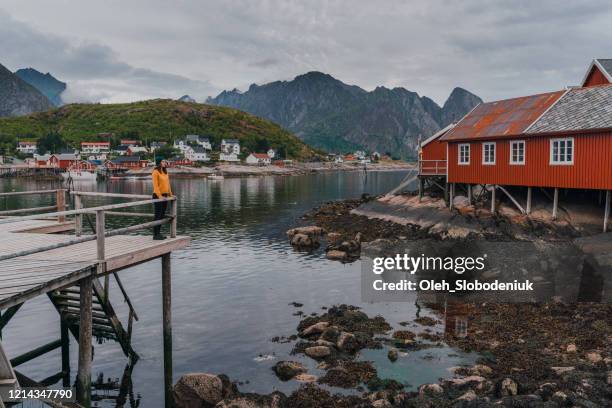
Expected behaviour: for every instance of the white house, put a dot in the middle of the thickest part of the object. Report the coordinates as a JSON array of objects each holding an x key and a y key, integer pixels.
[
  {"x": 95, "y": 147},
  {"x": 260, "y": 159},
  {"x": 359, "y": 154},
  {"x": 27, "y": 147},
  {"x": 136, "y": 150},
  {"x": 338, "y": 159},
  {"x": 271, "y": 153},
  {"x": 156, "y": 145},
  {"x": 121, "y": 150},
  {"x": 199, "y": 140},
  {"x": 230, "y": 149},
  {"x": 196, "y": 154}
]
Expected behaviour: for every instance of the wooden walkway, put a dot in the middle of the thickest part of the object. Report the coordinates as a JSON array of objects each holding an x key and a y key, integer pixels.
[
  {"x": 25, "y": 277},
  {"x": 36, "y": 260}
]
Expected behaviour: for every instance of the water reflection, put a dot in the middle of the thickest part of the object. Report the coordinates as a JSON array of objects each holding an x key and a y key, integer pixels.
[{"x": 231, "y": 288}]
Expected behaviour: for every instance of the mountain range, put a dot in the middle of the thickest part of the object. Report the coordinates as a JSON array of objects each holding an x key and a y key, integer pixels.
[
  {"x": 45, "y": 83},
  {"x": 329, "y": 114},
  {"x": 17, "y": 97}
]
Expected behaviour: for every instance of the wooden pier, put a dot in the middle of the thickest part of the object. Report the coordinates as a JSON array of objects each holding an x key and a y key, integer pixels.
[{"x": 74, "y": 269}]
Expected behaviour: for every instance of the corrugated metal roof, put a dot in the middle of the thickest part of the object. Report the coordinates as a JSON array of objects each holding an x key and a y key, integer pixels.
[
  {"x": 580, "y": 109},
  {"x": 505, "y": 118},
  {"x": 606, "y": 64}
]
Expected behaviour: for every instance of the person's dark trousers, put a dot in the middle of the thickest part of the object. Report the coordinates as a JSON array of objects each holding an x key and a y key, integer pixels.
[{"x": 160, "y": 212}]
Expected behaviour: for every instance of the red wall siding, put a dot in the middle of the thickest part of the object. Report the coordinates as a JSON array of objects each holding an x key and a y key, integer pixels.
[
  {"x": 596, "y": 78},
  {"x": 592, "y": 166},
  {"x": 435, "y": 150}
]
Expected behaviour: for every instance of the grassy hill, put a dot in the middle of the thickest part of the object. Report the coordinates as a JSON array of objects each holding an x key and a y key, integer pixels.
[{"x": 154, "y": 120}]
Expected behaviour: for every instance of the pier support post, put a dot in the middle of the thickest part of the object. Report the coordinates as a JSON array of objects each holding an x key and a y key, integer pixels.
[
  {"x": 493, "y": 187},
  {"x": 421, "y": 188},
  {"x": 470, "y": 200},
  {"x": 83, "y": 388},
  {"x": 173, "y": 214},
  {"x": 78, "y": 218},
  {"x": 65, "y": 338},
  {"x": 555, "y": 204},
  {"x": 607, "y": 211},
  {"x": 528, "y": 207},
  {"x": 167, "y": 328},
  {"x": 60, "y": 201},
  {"x": 452, "y": 196}
]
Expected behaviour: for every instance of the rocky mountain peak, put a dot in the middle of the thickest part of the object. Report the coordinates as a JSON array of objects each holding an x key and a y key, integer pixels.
[{"x": 17, "y": 97}]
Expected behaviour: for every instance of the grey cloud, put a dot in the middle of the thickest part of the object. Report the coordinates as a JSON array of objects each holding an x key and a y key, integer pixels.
[
  {"x": 496, "y": 49},
  {"x": 94, "y": 71}
]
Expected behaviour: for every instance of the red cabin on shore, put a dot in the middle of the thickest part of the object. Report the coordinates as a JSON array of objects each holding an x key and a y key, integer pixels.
[{"x": 559, "y": 139}]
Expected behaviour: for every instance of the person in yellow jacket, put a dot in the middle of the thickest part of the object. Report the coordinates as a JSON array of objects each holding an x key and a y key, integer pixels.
[{"x": 161, "y": 188}]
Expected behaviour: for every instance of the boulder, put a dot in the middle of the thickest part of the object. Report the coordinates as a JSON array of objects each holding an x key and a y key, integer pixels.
[
  {"x": 286, "y": 370},
  {"x": 274, "y": 400},
  {"x": 334, "y": 237},
  {"x": 316, "y": 328},
  {"x": 305, "y": 378},
  {"x": 430, "y": 389},
  {"x": 508, "y": 387},
  {"x": 311, "y": 231},
  {"x": 470, "y": 395},
  {"x": 198, "y": 390},
  {"x": 347, "y": 342},
  {"x": 330, "y": 334},
  {"x": 317, "y": 351},
  {"x": 350, "y": 246},
  {"x": 304, "y": 241},
  {"x": 381, "y": 403},
  {"x": 481, "y": 369},
  {"x": 336, "y": 255},
  {"x": 393, "y": 354},
  {"x": 562, "y": 370},
  {"x": 571, "y": 348},
  {"x": 594, "y": 357}
]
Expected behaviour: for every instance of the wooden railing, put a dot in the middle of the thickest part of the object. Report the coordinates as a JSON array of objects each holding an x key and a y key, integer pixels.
[
  {"x": 101, "y": 233},
  {"x": 432, "y": 167},
  {"x": 60, "y": 202}
]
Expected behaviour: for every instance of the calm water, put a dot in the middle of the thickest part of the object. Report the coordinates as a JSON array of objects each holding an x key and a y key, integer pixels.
[{"x": 231, "y": 287}]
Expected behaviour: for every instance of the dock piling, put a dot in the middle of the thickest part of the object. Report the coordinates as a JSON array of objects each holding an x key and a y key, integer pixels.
[
  {"x": 83, "y": 388},
  {"x": 167, "y": 328}
]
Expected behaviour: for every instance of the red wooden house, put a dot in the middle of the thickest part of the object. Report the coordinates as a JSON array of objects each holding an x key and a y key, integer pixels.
[
  {"x": 63, "y": 160},
  {"x": 555, "y": 140}
]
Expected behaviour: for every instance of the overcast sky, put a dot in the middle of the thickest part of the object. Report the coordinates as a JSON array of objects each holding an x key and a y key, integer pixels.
[{"x": 115, "y": 50}]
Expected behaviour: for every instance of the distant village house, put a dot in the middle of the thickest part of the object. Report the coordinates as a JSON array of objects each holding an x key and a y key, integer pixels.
[{"x": 260, "y": 159}]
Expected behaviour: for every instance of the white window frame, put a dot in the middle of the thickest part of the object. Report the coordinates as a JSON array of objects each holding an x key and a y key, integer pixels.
[
  {"x": 484, "y": 157},
  {"x": 517, "y": 162},
  {"x": 562, "y": 162},
  {"x": 463, "y": 163}
]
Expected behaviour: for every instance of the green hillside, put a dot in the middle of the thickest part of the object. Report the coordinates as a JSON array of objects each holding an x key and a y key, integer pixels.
[{"x": 154, "y": 120}]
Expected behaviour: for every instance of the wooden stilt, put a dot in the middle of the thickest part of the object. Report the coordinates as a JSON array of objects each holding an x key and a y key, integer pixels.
[
  {"x": 78, "y": 218},
  {"x": 167, "y": 328},
  {"x": 421, "y": 188},
  {"x": 607, "y": 211},
  {"x": 470, "y": 198},
  {"x": 446, "y": 192},
  {"x": 493, "y": 199},
  {"x": 452, "y": 196},
  {"x": 83, "y": 389},
  {"x": 528, "y": 208},
  {"x": 65, "y": 338},
  {"x": 555, "y": 204},
  {"x": 60, "y": 201}
]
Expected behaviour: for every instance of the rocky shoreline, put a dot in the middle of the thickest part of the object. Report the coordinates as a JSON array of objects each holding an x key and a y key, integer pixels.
[
  {"x": 239, "y": 170},
  {"x": 560, "y": 358},
  {"x": 547, "y": 355}
]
